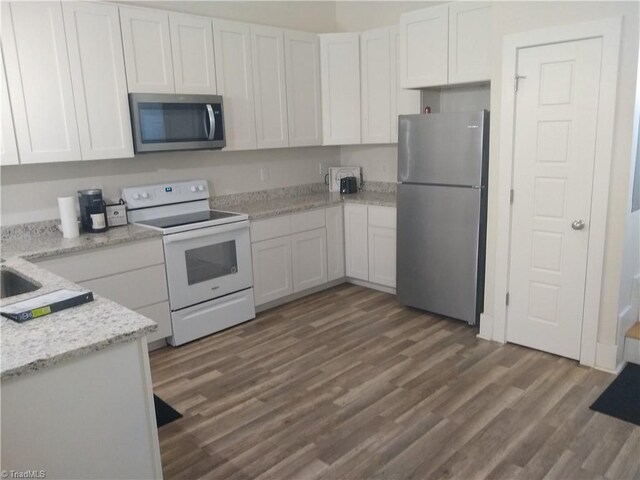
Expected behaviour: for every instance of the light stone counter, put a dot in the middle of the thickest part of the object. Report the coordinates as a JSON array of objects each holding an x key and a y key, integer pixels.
[
  {"x": 42, "y": 342},
  {"x": 265, "y": 207}
]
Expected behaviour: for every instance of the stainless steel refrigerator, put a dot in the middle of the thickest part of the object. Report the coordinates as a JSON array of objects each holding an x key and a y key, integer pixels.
[{"x": 442, "y": 205}]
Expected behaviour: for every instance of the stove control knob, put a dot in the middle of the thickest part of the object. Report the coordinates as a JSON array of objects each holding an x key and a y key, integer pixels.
[
  {"x": 145, "y": 195},
  {"x": 136, "y": 196},
  {"x": 193, "y": 188},
  {"x": 201, "y": 188}
]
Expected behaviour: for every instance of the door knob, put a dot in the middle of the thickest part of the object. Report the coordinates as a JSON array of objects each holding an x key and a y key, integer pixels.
[{"x": 577, "y": 224}]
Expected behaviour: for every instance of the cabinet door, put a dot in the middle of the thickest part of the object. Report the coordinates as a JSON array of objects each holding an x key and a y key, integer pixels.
[
  {"x": 194, "y": 70},
  {"x": 334, "y": 220},
  {"x": 39, "y": 80},
  {"x": 99, "y": 79},
  {"x": 267, "y": 44},
  {"x": 309, "y": 259},
  {"x": 302, "y": 65},
  {"x": 423, "y": 47},
  {"x": 147, "y": 50},
  {"x": 382, "y": 256},
  {"x": 375, "y": 67},
  {"x": 403, "y": 101},
  {"x": 355, "y": 240},
  {"x": 272, "y": 273},
  {"x": 469, "y": 42},
  {"x": 232, "y": 44},
  {"x": 8, "y": 147},
  {"x": 340, "y": 73}
]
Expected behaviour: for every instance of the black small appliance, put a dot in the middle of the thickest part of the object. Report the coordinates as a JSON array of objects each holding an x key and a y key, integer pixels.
[
  {"x": 92, "y": 211},
  {"x": 348, "y": 185}
]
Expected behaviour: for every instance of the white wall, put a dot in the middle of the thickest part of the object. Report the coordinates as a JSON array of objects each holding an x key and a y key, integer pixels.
[
  {"x": 29, "y": 192},
  {"x": 629, "y": 299}
]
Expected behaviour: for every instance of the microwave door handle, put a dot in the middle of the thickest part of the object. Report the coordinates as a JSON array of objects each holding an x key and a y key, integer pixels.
[
  {"x": 212, "y": 122},
  {"x": 206, "y": 124},
  {"x": 205, "y": 232}
]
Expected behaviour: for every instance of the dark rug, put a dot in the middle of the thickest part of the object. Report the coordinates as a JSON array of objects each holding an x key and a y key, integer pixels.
[
  {"x": 621, "y": 399},
  {"x": 165, "y": 413}
]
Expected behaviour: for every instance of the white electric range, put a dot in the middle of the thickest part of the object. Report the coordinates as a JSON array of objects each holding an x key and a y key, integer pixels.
[{"x": 207, "y": 256}]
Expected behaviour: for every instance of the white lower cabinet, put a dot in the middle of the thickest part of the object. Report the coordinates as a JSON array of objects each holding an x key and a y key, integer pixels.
[
  {"x": 309, "y": 255},
  {"x": 355, "y": 242},
  {"x": 370, "y": 243},
  {"x": 382, "y": 256},
  {"x": 334, "y": 220},
  {"x": 131, "y": 274},
  {"x": 290, "y": 253},
  {"x": 272, "y": 273}
]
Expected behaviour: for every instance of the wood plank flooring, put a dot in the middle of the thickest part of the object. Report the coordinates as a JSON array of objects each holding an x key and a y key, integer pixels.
[{"x": 349, "y": 384}]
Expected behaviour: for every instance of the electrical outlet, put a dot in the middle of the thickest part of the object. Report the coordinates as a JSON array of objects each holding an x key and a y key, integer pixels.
[
  {"x": 320, "y": 168},
  {"x": 264, "y": 174}
]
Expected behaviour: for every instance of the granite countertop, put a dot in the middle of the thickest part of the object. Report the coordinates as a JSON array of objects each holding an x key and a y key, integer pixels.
[
  {"x": 46, "y": 341},
  {"x": 271, "y": 207}
]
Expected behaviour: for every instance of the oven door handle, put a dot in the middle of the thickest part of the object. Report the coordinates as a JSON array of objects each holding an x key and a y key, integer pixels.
[{"x": 206, "y": 232}]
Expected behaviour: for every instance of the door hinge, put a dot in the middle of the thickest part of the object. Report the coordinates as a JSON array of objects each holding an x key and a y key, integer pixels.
[
  {"x": 511, "y": 196},
  {"x": 516, "y": 81},
  {"x": 506, "y": 299}
]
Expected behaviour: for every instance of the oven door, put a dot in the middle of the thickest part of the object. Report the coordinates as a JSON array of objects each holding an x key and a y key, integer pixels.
[{"x": 207, "y": 263}]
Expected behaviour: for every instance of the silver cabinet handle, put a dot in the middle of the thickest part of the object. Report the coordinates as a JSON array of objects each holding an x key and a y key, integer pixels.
[
  {"x": 577, "y": 225},
  {"x": 212, "y": 122}
]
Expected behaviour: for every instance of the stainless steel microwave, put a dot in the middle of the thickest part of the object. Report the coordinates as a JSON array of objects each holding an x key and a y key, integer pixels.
[{"x": 164, "y": 122}]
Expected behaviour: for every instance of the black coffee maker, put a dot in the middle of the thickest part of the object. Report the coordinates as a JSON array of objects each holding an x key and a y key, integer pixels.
[{"x": 93, "y": 211}]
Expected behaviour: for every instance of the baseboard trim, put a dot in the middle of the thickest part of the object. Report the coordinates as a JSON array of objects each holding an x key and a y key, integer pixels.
[
  {"x": 373, "y": 286},
  {"x": 297, "y": 295}
]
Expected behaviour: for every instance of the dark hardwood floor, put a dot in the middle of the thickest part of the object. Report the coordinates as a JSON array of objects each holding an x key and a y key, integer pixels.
[{"x": 349, "y": 384}]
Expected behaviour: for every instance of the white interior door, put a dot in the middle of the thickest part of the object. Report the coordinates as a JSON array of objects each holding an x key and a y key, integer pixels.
[{"x": 555, "y": 134}]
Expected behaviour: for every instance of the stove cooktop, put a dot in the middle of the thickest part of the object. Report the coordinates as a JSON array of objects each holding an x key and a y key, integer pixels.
[{"x": 187, "y": 219}]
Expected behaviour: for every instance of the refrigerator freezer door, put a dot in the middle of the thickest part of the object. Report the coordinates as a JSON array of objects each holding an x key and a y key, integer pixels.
[
  {"x": 437, "y": 249},
  {"x": 442, "y": 148}
]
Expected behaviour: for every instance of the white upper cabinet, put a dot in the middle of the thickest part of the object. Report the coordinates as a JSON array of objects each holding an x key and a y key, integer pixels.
[
  {"x": 147, "y": 50},
  {"x": 469, "y": 42},
  {"x": 423, "y": 53},
  {"x": 375, "y": 68},
  {"x": 194, "y": 70},
  {"x": 232, "y": 42},
  {"x": 403, "y": 101},
  {"x": 302, "y": 64},
  {"x": 340, "y": 73},
  {"x": 99, "y": 79},
  {"x": 8, "y": 147},
  {"x": 39, "y": 79},
  {"x": 269, "y": 87},
  {"x": 447, "y": 44}
]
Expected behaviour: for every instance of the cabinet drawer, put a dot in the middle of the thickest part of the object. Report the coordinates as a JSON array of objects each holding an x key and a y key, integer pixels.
[
  {"x": 135, "y": 289},
  {"x": 106, "y": 261},
  {"x": 160, "y": 314},
  {"x": 301, "y": 222},
  {"x": 382, "y": 217},
  {"x": 270, "y": 228}
]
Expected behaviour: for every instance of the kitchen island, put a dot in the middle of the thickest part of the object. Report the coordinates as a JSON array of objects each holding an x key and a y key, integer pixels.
[{"x": 77, "y": 398}]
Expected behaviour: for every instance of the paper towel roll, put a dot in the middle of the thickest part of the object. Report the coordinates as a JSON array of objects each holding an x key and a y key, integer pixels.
[{"x": 67, "y": 207}]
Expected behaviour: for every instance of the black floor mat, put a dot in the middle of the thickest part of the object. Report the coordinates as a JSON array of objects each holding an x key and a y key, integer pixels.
[
  {"x": 621, "y": 399},
  {"x": 165, "y": 413}
]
